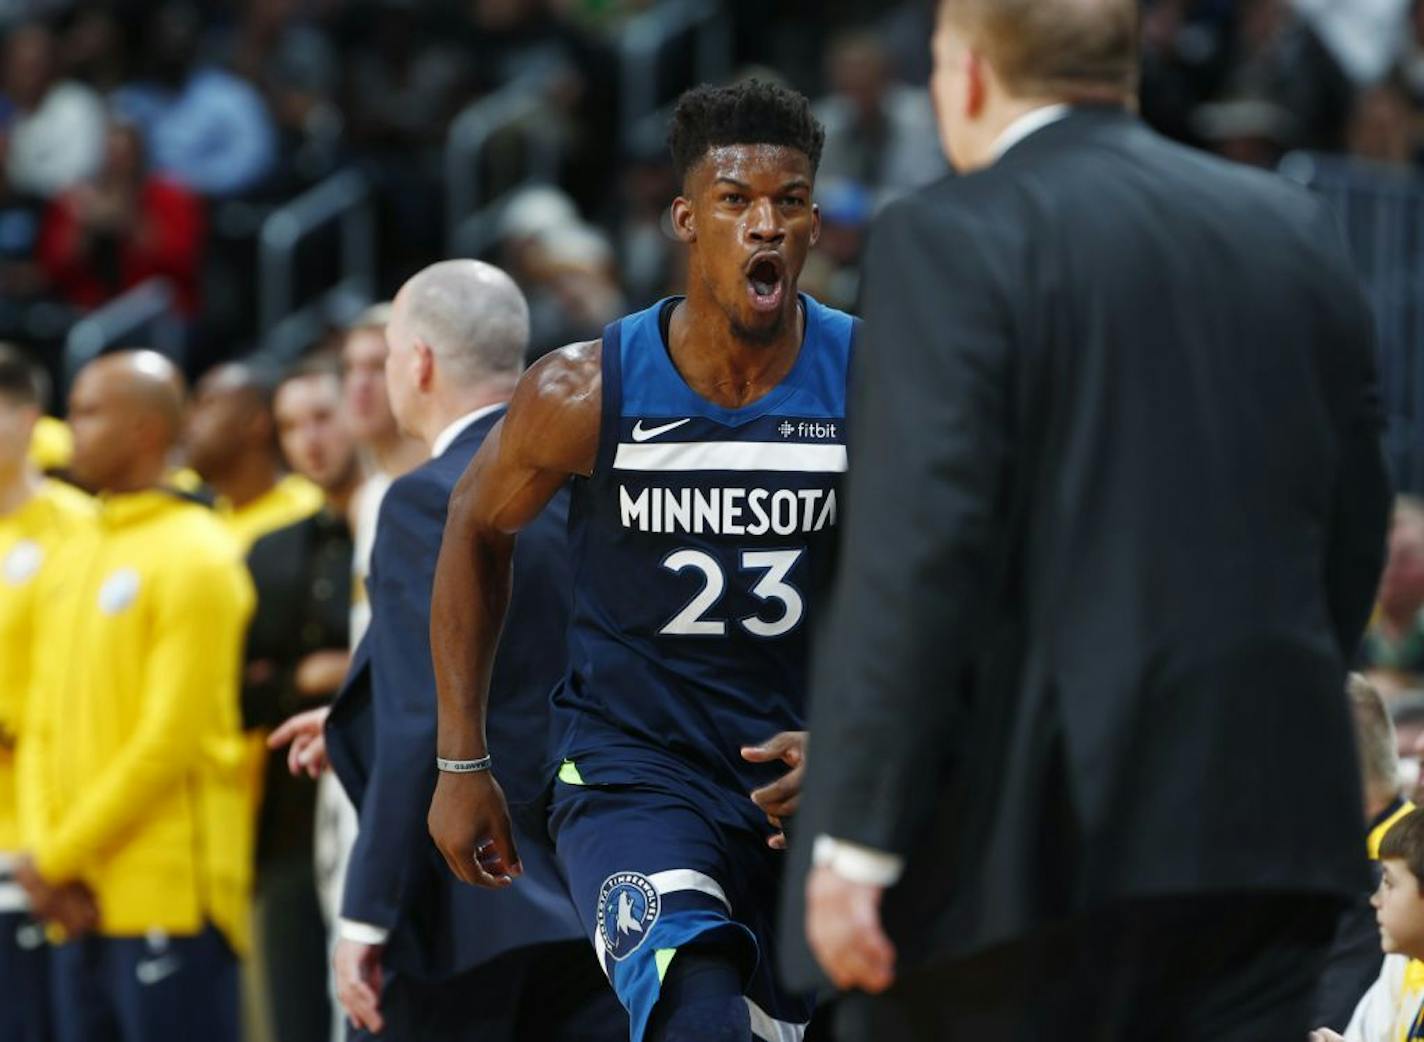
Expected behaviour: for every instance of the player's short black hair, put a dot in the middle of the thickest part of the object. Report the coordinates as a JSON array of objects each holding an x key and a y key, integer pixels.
[
  {"x": 21, "y": 380},
  {"x": 1405, "y": 842},
  {"x": 753, "y": 112}
]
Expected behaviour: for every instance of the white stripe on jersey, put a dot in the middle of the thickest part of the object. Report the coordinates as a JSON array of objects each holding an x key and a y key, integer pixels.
[
  {"x": 731, "y": 455},
  {"x": 767, "y": 1027}
]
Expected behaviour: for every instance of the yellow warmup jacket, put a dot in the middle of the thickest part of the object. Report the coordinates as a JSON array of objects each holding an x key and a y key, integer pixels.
[
  {"x": 131, "y": 768},
  {"x": 30, "y": 538},
  {"x": 292, "y": 499}
]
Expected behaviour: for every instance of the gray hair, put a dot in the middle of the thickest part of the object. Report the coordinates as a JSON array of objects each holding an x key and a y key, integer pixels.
[
  {"x": 1374, "y": 735},
  {"x": 472, "y": 316}
]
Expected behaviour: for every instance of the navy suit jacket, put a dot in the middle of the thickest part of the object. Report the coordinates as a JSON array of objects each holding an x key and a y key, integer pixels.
[{"x": 381, "y": 736}]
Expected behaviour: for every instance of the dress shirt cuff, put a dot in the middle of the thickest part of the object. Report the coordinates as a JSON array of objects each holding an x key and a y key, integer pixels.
[
  {"x": 361, "y": 933},
  {"x": 857, "y": 864}
]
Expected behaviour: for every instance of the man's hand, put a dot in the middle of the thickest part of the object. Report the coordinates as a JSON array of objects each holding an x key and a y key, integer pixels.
[
  {"x": 321, "y": 673},
  {"x": 307, "y": 735},
  {"x": 71, "y": 905},
  {"x": 1325, "y": 1035},
  {"x": 357, "y": 968},
  {"x": 843, "y": 928},
  {"x": 780, "y": 799},
  {"x": 469, "y": 821}
]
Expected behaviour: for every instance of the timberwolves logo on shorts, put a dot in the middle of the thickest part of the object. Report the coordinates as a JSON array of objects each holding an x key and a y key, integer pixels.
[{"x": 628, "y": 907}]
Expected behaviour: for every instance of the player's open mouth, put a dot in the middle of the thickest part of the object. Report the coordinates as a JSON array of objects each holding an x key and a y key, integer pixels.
[{"x": 765, "y": 284}]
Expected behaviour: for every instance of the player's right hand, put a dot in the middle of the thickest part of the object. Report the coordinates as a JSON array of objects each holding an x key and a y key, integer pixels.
[{"x": 469, "y": 821}]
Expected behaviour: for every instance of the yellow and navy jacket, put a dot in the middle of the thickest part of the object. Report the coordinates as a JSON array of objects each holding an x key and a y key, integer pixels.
[
  {"x": 131, "y": 767},
  {"x": 292, "y": 499},
  {"x": 30, "y": 539}
]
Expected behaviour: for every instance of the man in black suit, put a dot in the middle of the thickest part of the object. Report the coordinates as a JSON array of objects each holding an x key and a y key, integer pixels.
[
  {"x": 1079, "y": 763},
  {"x": 420, "y": 956}
]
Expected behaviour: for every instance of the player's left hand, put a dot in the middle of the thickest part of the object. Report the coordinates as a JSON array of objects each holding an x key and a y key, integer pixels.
[
  {"x": 357, "y": 969},
  {"x": 780, "y": 799},
  {"x": 843, "y": 928}
]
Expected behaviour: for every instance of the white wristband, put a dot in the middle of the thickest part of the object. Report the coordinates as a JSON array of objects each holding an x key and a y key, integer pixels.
[{"x": 361, "y": 933}]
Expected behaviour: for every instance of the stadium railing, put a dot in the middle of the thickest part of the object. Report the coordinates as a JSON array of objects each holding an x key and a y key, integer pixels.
[
  {"x": 644, "y": 45},
  {"x": 480, "y": 177},
  {"x": 1381, "y": 212},
  {"x": 287, "y": 326}
]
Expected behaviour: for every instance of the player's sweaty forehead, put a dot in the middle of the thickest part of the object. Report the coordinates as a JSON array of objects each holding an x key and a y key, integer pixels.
[{"x": 764, "y": 167}]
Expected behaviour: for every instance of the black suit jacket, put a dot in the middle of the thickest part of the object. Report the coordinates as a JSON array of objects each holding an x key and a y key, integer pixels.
[
  {"x": 1113, "y": 527},
  {"x": 381, "y": 736}
]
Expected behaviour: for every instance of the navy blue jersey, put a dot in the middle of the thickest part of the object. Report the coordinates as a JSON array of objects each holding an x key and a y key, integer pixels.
[{"x": 701, "y": 543}]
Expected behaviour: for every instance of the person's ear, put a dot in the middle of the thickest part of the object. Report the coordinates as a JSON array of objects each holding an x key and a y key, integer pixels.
[
  {"x": 684, "y": 221},
  {"x": 815, "y": 224},
  {"x": 424, "y": 362},
  {"x": 976, "y": 86}
]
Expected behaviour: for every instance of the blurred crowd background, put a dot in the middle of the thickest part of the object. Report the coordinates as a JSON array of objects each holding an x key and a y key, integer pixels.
[{"x": 243, "y": 175}]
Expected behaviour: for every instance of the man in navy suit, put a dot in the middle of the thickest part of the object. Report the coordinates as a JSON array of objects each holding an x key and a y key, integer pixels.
[{"x": 421, "y": 956}]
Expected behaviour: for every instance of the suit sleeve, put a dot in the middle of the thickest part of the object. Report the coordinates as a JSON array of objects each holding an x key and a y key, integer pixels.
[
  {"x": 918, "y": 551},
  {"x": 192, "y": 695},
  {"x": 392, "y": 840},
  {"x": 1363, "y": 493}
]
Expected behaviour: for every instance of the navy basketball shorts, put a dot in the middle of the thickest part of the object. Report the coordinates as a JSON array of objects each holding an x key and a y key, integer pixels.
[
  {"x": 651, "y": 872},
  {"x": 24, "y": 978}
]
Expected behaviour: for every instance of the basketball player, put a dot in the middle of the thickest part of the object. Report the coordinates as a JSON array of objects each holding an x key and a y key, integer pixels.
[{"x": 706, "y": 438}]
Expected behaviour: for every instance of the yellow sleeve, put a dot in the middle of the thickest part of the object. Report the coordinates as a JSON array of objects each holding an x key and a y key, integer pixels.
[
  {"x": 191, "y": 694},
  {"x": 32, "y": 790}
]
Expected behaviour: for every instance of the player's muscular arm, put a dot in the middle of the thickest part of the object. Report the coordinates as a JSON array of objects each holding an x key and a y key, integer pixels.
[{"x": 549, "y": 433}]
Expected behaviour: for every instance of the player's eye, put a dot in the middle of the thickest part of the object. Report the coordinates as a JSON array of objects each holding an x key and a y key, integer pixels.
[
  {"x": 733, "y": 197},
  {"x": 793, "y": 200}
]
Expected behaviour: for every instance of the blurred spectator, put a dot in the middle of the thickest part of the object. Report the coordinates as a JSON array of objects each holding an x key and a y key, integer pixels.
[
  {"x": 297, "y": 653},
  {"x": 1362, "y": 35},
  {"x": 1411, "y": 59},
  {"x": 645, "y": 236},
  {"x": 55, "y": 127},
  {"x": 832, "y": 272},
  {"x": 1394, "y": 643},
  {"x": 122, "y": 227},
  {"x": 1382, "y": 126},
  {"x": 907, "y": 31},
  {"x": 1355, "y": 954},
  {"x": 1278, "y": 59},
  {"x": 1253, "y": 131},
  {"x": 130, "y": 771},
  {"x": 879, "y": 133},
  {"x": 571, "y": 282},
  {"x": 231, "y": 441},
  {"x": 508, "y": 39},
  {"x": 37, "y": 517},
  {"x": 93, "y": 49},
  {"x": 289, "y": 57},
  {"x": 204, "y": 126},
  {"x": 403, "y": 88}
]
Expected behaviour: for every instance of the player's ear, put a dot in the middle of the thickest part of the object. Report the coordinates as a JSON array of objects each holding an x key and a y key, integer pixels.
[
  {"x": 815, "y": 224},
  {"x": 684, "y": 223}
]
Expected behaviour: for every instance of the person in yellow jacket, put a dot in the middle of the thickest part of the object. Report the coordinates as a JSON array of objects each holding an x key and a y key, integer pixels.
[
  {"x": 37, "y": 515},
  {"x": 131, "y": 768},
  {"x": 231, "y": 442}
]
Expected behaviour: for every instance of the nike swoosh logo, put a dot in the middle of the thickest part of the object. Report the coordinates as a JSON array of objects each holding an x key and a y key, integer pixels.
[
  {"x": 152, "y": 971},
  {"x": 640, "y": 433}
]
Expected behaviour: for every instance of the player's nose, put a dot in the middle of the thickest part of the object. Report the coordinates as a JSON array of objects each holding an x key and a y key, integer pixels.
[{"x": 764, "y": 222}]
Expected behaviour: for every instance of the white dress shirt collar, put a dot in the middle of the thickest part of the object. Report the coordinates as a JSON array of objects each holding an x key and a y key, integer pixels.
[
  {"x": 447, "y": 437},
  {"x": 1029, "y": 123}
]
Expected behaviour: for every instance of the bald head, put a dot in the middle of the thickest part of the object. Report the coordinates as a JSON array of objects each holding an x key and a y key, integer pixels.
[
  {"x": 126, "y": 411},
  {"x": 470, "y": 314},
  {"x": 1068, "y": 50}
]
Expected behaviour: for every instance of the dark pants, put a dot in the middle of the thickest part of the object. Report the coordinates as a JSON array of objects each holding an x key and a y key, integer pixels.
[
  {"x": 153, "y": 989},
  {"x": 1214, "y": 969},
  {"x": 24, "y": 980},
  {"x": 294, "y": 950},
  {"x": 548, "y": 993}
]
